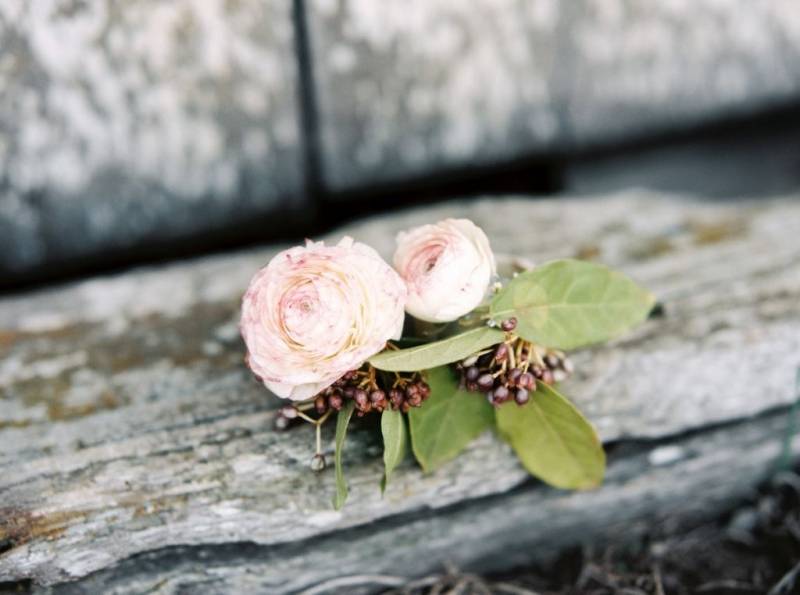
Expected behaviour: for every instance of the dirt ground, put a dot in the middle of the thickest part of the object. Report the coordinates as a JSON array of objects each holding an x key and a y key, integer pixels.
[{"x": 752, "y": 550}]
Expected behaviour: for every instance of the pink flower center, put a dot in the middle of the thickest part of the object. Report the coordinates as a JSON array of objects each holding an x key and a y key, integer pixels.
[
  {"x": 298, "y": 308},
  {"x": 424, "y": 261}
]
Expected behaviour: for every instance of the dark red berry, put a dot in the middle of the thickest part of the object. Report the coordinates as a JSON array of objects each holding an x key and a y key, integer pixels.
[
  {"x": 513, "y": 375},
  {"x": 335, "y": 402},
  {"x": 547, "y": 377},
  {"x": 424, "y": 389},
  {"x": 501, "y": 353},
  {"x": 396, "y": 397},
  {"x": 494, "y": 400},
  {"x": 349, "y": 391},
  {"x": 472, "y": 373},
  {"x": 361, "y": 399},
  {"x": 320, "y": 405},
  {"x": 526, "y": 381},
  {"x": 501, "y": 394},
  {"x": 472, "y": 387},
  {"x": 509, "y": 324},
  {"x": 485, "y": 381},
  {"x": 377, "y": 396},
  {"x": 522, "y": 396},
  {"x": 551, "y": 360}
]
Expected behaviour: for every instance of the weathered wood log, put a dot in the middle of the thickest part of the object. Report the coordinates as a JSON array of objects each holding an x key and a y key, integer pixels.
[
  {"x": 673, "y": 483},
  {"x": 137, "y": 451}
]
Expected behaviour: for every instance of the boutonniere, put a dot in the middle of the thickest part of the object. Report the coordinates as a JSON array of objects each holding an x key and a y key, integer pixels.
[{"x": 438, "y": 346}]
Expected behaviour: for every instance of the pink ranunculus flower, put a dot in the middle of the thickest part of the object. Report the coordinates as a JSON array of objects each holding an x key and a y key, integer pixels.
[
  {"x": 447, "y": 268},
  {"x": 316, "y": 311}
]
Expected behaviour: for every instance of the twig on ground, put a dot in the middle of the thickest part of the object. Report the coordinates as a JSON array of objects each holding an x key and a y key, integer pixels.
[
  {"x": 512, "y": 589},
  {"x": 328, "y": 586},
  {"x": 724, "y": 584},
  {"x": 788, "y": 583},
  {"x": 657, "y": 580},
  {"x": 418, "y": 584}
]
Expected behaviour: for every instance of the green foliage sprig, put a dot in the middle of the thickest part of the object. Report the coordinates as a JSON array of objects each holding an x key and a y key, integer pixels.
[{"x": 565, "y": 304}]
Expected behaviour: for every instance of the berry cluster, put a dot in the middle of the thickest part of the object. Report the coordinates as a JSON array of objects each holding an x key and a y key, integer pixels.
[
  {"x": 373, "y": 392},
  {"x": 369, "y": 389},
  {"x": 511, "y": 369}
]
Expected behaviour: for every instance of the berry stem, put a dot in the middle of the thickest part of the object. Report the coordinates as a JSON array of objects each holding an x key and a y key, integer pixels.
[
  {"x": 305, "y": 417},
  {"x": 324, "y": 417},
  {"x": 535, "y": 355},
  {"x": 316, "y": 422}
]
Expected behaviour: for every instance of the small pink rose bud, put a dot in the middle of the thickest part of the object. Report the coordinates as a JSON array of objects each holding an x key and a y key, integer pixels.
[{"x": 447, "y": 268}]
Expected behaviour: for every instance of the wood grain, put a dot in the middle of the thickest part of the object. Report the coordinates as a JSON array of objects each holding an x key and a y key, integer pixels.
[{"x": 137, "y": 450}]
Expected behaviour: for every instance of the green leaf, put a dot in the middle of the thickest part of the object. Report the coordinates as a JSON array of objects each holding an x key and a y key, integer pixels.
[
  {"x": 553, "y": 440},
  {"x": 342, "y": 419},
  {"x": 395, "y": 442},
  {"x": 570, "y": 303},
  {"x": 438, "y": 353},
  {"x": 448, "y": 421}
]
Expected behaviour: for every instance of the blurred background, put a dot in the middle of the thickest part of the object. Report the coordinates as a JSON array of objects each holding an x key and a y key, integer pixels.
[{"x": 134, "y": 131}]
